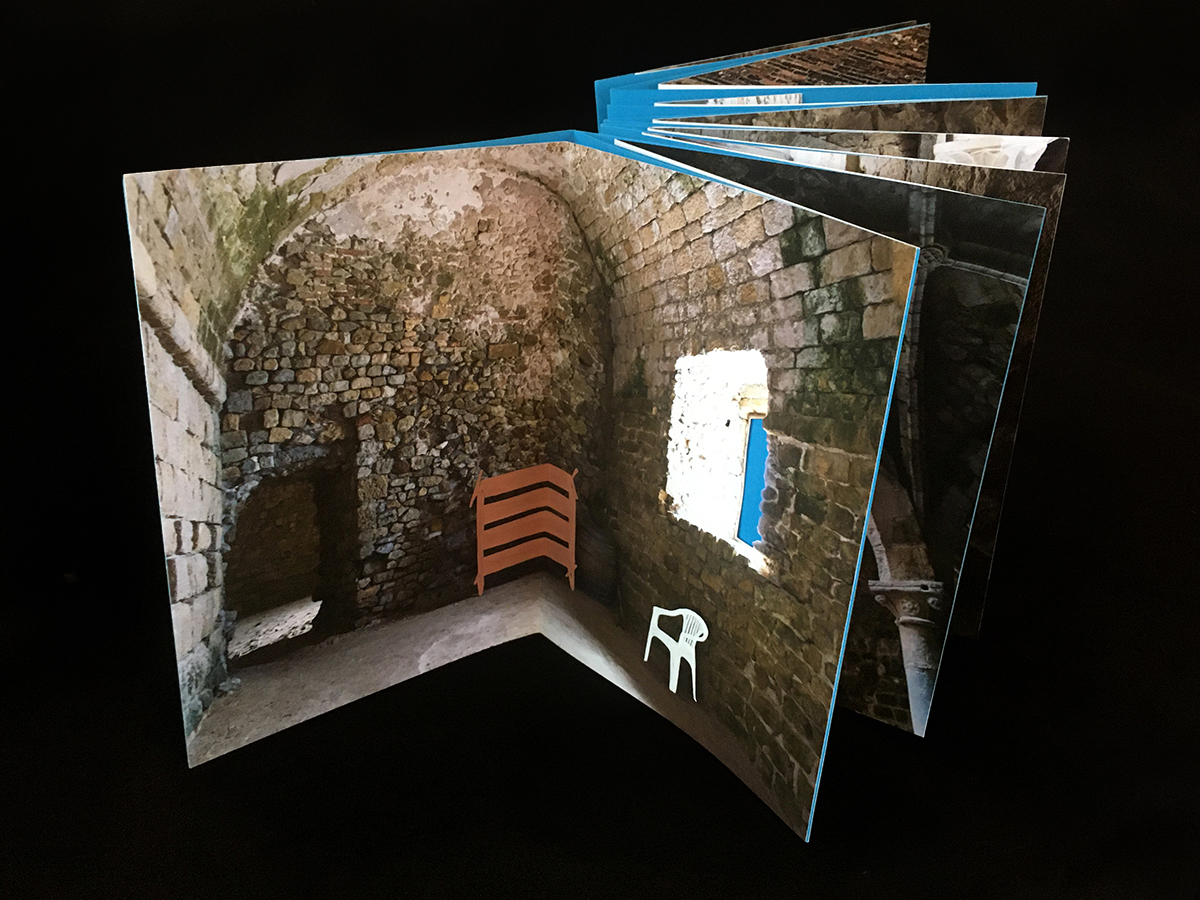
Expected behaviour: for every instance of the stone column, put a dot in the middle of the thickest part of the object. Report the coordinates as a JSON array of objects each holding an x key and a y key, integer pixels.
[{"x": 920, "y": 616}]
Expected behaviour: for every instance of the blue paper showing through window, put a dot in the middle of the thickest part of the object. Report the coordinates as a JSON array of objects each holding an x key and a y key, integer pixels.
[{"x": 756, "y": 472}]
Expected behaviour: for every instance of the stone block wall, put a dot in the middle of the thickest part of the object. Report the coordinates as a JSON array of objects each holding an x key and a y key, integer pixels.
[
  {"x": 184, "y": 430},
  {"x": 1019, "y": 115},
  {"x": 206, "y": 230},
  {"x": 192, "y": 234},
  {"x": 428, "y": 353},
  {"x": 897, "y": 57},
  {"x": 987, "y": 306},
  {"x": 709, "y": 268},
  {"x": 873, "y": 680},
  {"x": 968, "y": 321},
  {"x": 183, "y": 275}
]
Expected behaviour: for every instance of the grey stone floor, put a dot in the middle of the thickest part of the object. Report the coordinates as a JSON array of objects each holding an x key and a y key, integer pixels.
[{"x": 316, "y": 679}]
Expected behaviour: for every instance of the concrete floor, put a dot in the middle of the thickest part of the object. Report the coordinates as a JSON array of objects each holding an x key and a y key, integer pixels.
[{"x": 325, "y": 676}]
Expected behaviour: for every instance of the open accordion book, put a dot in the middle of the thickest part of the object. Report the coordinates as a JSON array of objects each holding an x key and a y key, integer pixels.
[{"x": 720, "y": 399}]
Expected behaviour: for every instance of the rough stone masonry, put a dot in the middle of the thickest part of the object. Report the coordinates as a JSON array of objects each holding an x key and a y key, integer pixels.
[
  {"x": 430, "y": 356},
  {"x": 823, "y": 303}
]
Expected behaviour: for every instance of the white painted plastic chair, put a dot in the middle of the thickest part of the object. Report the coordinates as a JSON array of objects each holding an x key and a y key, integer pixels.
[{"x": 693, "y": 632}]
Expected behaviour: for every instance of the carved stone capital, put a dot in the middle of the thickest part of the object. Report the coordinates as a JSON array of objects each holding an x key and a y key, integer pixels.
[
  {"x": 910, "y": 600},
  {"x": 931, "y": 256}
]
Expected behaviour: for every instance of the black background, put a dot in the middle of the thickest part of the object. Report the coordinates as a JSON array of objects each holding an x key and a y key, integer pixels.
[{"x": 1057, "y": 759}]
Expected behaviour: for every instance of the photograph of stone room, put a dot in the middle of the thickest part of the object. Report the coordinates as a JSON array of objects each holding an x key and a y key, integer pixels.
[{"x": 338, "y": 350}]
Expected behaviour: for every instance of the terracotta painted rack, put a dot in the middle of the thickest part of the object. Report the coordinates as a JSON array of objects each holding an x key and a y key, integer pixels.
[{"x": 516, "y": 506}]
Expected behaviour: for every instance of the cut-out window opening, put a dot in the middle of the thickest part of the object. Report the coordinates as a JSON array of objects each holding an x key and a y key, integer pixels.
[{"x": 717, "y": 446}]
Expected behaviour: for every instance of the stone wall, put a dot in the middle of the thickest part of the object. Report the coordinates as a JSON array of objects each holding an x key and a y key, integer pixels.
[
  {"x": 968, "y": 321},
  {"x": 195, "y": 235},
  {"x": 429, "y": 351},
  {"x": 719, "y": 268},
  {"x": 1043, "y": 189},
  {"x": 173, "y": 262},
  {"x": 1020, "y": 115},
  {"x": 883, "y": 143},
  {"x": 873, "y": 680},
  {"x": 897, "y": 57},
  {"x": 184, "y": 431},
  {"x": 207, "y": 230}
]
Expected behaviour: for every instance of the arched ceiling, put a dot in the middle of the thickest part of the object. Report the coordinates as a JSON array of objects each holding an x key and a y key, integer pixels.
[{"x": 214, "y": 227}]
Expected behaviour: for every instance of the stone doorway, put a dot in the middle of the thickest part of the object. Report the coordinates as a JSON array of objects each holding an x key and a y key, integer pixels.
[{"x": 289, "y": 573}]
